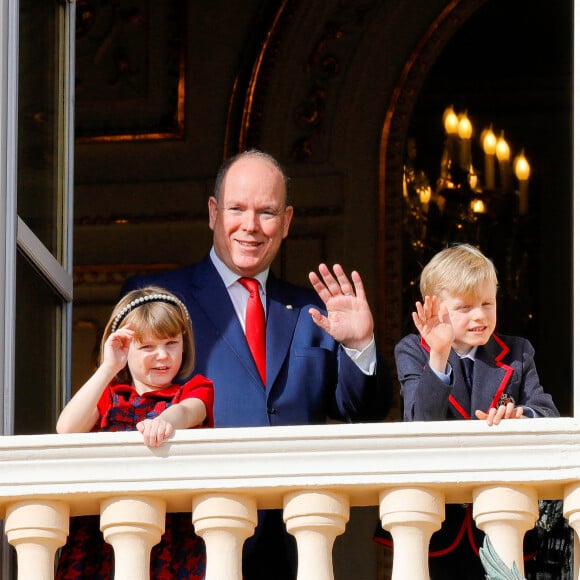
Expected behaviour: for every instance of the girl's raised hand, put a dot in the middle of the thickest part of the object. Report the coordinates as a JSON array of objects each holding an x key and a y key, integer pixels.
[{"x": 116, "y": 348}]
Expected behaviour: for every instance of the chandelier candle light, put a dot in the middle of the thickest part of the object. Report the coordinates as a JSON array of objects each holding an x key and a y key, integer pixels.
[
  {"x": 489, "y": 145},
  {"x": 457, "y": 169},
  {"x": 487, "y": 207},
  {"x": 522, "y": 171},
  {"x": 503, "y": 153}
]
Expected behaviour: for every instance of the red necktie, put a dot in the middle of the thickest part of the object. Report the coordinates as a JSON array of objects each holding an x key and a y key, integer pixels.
[{"x": 255, "y": 324}]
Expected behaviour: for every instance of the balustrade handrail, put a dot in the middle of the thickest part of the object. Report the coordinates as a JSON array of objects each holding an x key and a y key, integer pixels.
[{"x": 358, "y": 459}]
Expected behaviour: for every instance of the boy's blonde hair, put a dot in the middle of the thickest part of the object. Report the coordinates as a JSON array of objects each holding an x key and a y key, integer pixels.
[
  {"x": 153, "y": 311},
  {"x": 459, "y": 269}
]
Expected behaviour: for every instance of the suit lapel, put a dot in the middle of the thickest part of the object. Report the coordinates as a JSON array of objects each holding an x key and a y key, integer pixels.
[
  {"x": 208, "y": 291},
  {"x": 282, "y": 315},
  {"x": 490, "y": 379},
  {"x": 491, "y": 372},
  {"x": 459, "y": 400}
]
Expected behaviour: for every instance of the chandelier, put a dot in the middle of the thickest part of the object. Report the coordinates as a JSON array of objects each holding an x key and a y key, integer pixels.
[{"x": 485, "y": 204}]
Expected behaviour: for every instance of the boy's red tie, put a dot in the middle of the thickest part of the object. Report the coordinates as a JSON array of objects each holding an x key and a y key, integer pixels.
[{"x": 256, "y": 324}]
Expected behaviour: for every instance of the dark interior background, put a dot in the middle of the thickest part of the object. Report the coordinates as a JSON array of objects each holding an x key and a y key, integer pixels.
[
  {"x": 509, "y": 65},
  {"x": 334, "y": 90}
]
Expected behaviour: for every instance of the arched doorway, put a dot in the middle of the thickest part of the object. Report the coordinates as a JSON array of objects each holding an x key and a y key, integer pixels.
[{"x": 478, "y": 56}]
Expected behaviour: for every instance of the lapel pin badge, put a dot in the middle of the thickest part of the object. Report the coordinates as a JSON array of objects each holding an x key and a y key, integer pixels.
[
  {"x": 289, "y": 307},
  {"x": 504, "y": 400}
]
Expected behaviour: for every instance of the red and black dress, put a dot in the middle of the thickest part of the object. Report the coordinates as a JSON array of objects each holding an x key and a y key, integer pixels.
[{"x": 180, "y": 553}]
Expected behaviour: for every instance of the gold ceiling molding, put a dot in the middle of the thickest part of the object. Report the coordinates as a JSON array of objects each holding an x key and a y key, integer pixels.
[
  {"x": 121, "y": 52},
  {"x": 142, "y": 218},
  {"x": 340, "y": 32},
  {"x": 114, "y": 274}
]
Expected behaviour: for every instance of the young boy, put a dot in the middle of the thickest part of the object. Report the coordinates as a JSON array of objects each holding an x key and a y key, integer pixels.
[{"x": 456, "y": 322}]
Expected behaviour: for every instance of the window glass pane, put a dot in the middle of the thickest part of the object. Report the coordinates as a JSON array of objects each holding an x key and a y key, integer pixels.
[
  {"x": 38, "y": 347},
  {"x": 38, "y": 118}
]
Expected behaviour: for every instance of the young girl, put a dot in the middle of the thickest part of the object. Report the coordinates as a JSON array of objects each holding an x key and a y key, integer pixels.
[{"x": 146, "y": 346}]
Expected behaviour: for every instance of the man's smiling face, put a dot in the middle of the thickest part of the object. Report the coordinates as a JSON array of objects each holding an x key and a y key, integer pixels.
[{"x": 250, "y": 219}]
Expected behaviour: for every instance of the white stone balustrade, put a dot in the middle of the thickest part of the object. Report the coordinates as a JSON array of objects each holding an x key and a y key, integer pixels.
[
  {"x": 132, "y": 525},
  {"x": 36, "y": 528},
  {"x": 315, "y": 518},
  {"x": 505, "y": 514},
  {"x": 411, "y": 515},
  {"x": 315, "y": 473},
  {"x": 224, "y": 521}
]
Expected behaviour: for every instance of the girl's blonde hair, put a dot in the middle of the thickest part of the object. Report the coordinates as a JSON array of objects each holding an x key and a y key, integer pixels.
[
  {"x": 153, "y": 311},
  {"x": 459, "y": 269}
]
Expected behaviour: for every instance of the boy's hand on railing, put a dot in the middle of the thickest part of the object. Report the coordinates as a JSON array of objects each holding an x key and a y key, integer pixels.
[{"x": 495, "y": 416}]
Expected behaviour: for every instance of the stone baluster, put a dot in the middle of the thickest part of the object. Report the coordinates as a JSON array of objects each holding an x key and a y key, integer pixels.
[
  {"x": 224, "y": 521},
  {"x": 572, "y": 514},
  {"x": 36, "y": 529},
  {"x": 411, "y": 515},
  {"x": 315, "y": 518},
  {"x": 132, "y": 525},
  {"x": 505, "y": 513}
]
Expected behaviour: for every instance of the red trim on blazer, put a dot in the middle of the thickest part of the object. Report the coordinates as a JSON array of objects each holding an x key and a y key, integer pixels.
[
  {"x": 380, "y": 540},
  {"x": 465, "y": 527},
  {"x": 509, "y": 371},
  {"x": 459, "y": 408}
]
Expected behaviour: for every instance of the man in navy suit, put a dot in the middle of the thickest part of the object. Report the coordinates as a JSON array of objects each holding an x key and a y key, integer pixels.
[{"x": 321, "y": 358}]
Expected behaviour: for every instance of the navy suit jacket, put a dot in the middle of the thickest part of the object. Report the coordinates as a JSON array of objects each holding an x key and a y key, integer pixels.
[
  {"x": 309, "y": 376},
  {"x": 503, "y": 366}
]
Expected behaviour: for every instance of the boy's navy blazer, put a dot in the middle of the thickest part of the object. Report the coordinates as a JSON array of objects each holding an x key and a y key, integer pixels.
[
  {"x": 503, "y": 367},
  {"x": 309, "y": 378}
]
